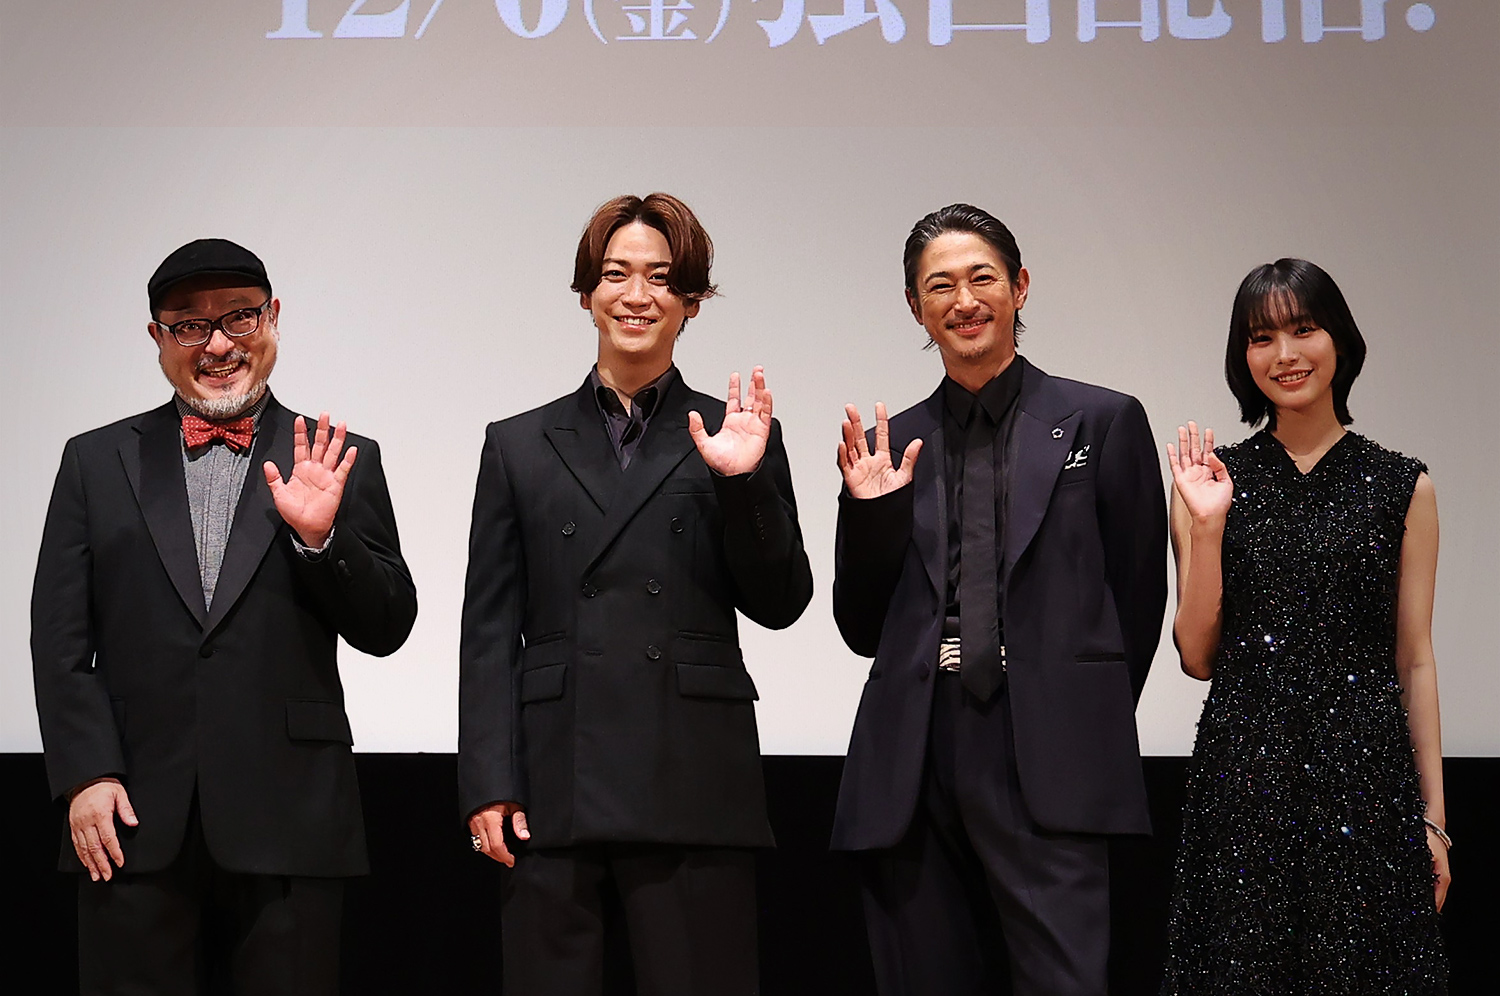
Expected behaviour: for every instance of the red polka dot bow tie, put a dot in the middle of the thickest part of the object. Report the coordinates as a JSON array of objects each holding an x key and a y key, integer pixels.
[{"x": 236, "y": 433}]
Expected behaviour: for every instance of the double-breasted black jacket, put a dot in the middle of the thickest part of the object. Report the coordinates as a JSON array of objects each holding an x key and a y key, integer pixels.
[
  {"x": 136, "y": 678},
  {"x": 601, "y": 680},
  {"x": 1083, "y": 581}
]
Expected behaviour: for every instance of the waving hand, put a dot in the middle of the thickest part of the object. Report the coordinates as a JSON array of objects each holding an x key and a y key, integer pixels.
[
  {"x": 740, "y": 443},
  {"x": 1199, "y": 475},
  {"x": 309, "y": 499},
  {"x": 871, "y": 474}
]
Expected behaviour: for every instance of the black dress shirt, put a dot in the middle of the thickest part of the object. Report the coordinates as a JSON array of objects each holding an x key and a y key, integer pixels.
[
  {"x": 627, "y": 428},
  {"x": 998, "y": 398}
]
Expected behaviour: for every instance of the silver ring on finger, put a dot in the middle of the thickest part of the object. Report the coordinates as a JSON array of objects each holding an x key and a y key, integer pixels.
[{"x": 476, "y": 842}]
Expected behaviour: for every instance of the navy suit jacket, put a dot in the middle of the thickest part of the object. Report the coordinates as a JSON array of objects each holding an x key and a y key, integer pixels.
[
  {"x": 1083, "y": 565},
  {"x": 137, "y": 678}
]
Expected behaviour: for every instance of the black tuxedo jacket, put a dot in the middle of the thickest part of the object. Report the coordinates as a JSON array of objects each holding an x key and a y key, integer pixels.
[
  {"x": 1083, "y": 563},
  {"x": 136, "y": 678},
  {"x": 601, "y": 683}
]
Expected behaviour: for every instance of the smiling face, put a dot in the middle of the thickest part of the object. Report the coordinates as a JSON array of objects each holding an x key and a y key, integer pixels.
[
  {"x": 1293, "y": 365},
  {"x": 967, "y": 302},
  {"x": 638, "y": 316},
  {"x": 223, "y": 376}
]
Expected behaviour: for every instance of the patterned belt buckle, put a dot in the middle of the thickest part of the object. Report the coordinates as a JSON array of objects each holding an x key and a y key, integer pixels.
[{"x": 950, "y": 658}]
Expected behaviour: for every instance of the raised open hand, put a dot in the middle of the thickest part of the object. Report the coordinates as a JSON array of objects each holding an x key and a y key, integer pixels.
[
  {"x": 867, "y": 474},
  {"x": 309, "y": 499},
  {"x": 740, "y": 444},
  {"x": 1200, "y": 476}
]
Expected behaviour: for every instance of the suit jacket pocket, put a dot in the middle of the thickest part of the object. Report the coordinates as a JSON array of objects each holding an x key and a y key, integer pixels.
[
  {"x": 712, "y": 669},
  {"x": 538, "y": 684},
  {"x": 709, "y": 681},
  {"x": 308, "y": 719}
]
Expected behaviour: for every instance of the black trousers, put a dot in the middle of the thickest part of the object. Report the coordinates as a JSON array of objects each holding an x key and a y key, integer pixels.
[
  {"x": 689, "y": 914},
  {"x": 976, "y": 890},
  {"x": 195, "y": 928}
]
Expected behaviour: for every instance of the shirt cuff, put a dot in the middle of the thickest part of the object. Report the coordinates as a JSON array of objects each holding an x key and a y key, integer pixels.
[{"x": 313, "y": 553}]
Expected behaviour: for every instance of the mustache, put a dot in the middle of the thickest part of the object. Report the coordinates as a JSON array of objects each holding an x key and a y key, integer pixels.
[{"x": 235, "y": 355}]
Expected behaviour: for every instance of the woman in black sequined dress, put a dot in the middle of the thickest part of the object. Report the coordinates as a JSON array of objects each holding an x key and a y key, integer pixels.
[{"x": 1313, "y": 857}]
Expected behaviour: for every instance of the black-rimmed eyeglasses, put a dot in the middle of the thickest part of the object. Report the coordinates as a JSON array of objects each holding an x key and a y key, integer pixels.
[{"x": 236, "y": 324}]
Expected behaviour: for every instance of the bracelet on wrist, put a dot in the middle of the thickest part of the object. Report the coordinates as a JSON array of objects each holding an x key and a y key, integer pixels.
[{"x": 1442, "y": 834}]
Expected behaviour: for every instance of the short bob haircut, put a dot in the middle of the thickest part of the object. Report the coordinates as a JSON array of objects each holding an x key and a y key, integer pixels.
[
  {"x": 963, "y": 218},
  {"x": 1277, "y": 294},
  {"x": 692, "y": 250}
]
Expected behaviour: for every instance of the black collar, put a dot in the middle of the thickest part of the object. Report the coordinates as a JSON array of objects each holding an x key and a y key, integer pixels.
[
  {"x": 645, "y": 400},
  {"x": 996, "y": 396}
]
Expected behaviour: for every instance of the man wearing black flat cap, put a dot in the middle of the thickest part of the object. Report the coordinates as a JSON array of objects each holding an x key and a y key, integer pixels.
[{"x": 185, "y": 617}]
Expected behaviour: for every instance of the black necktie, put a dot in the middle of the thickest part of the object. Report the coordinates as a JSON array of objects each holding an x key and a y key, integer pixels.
[{"x": 978, "y": 581}]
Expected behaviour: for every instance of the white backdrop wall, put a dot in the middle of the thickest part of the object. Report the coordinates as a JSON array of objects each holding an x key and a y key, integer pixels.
[{"x": 417, "y": 202}]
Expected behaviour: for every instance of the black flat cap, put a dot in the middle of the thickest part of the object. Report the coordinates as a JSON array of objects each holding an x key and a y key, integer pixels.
[{"x": 206, "y": 256}]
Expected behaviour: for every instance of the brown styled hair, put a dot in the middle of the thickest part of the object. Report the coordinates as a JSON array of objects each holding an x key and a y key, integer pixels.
[{"x": 692, "y": 249}]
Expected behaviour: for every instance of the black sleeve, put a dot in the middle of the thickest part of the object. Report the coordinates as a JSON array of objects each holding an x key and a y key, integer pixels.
[
  {"x": 362, "y": 582},
  {"x": 79, "y": 735},
  {"x": 1133, "y": 524},
  {"x": 490, "y": 642},
  {"x": 762, "y": 540},
  {"x": 872, "y": 537}
]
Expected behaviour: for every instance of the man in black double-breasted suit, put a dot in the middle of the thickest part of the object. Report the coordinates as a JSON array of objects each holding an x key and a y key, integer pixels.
[
  {"x": 606, "y": 715},
  {"x": 1008, "y": 575},
  {"x": 198, "y": 564}
]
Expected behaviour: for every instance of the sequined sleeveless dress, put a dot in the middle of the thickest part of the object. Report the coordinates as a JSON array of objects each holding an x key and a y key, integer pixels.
[{"x": 1304, "y": 866}]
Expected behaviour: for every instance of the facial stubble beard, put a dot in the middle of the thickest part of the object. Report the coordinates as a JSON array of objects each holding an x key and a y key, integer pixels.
[
  {"x": 224, "y": 406},
  {"x": 974, "y": 354}
]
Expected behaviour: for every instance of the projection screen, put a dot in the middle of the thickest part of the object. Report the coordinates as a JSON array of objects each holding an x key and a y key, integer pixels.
[{"x": 415, "y": 176}]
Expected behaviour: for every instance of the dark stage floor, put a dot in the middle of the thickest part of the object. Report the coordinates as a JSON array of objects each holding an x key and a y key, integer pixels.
[{"x": 427, "y": 921}]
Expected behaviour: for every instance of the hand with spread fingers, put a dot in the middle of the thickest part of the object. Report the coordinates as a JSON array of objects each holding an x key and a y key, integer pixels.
[
  {"x": 1199, "y": 475},
  {"x": 309, "y": 499},
  {"x": 487, "y": 826},
  {"x": 91, "y": 823},
  {"x": 740, "y": 444},
  {"x": 870, "y": 474}
]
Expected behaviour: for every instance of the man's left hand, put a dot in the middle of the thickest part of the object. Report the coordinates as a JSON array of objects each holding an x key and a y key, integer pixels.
[
  {"x": 309, "y": 499},
  {"x": 740, "y": 444}
]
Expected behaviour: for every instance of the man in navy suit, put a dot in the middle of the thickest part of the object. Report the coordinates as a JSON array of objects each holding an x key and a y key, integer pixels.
[
  {"x": 1008, "y": 575},
  {"x": 199, "y": 563}
]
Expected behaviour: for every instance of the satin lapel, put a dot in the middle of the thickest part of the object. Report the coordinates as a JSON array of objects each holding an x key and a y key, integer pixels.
[
  {"x": 582, "y": 443},
  {"x": 256, "y": 521},
  {"x": 153, "y": 463},
  {"x": 1042, "y": 440},
  {"x": 664, "y": 445},
  {"x": 929, "y": 527}
]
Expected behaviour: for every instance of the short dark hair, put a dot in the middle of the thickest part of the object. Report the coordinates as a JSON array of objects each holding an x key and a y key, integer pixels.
[
  {"x": 963, "y": 218},
  {"x": 1276, "y": 294},
  {"x": 692, "y": 249}
]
